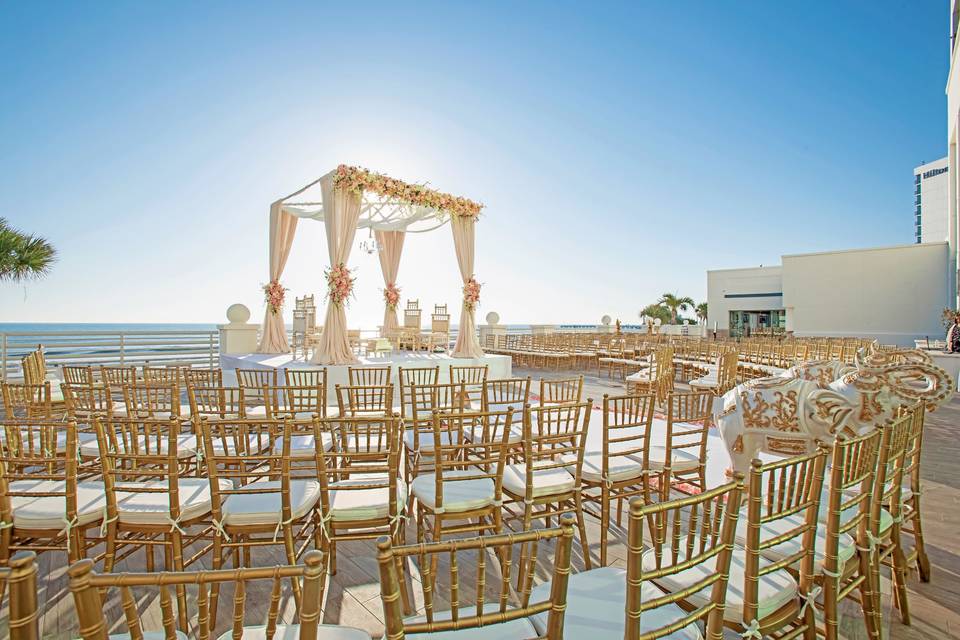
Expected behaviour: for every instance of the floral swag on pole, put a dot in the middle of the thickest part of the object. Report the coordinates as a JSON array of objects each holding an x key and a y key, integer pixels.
[
  {"x": 273, "y": 295},
  {"x": 357, "y": 180},
  {"x": 471, "y": 293},
  {"x": 339, "y": 283},
  {"x": 391, "y": 295}
]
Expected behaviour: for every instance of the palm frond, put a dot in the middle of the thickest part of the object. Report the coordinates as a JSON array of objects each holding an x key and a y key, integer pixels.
[{"x": 22, "y": 255}]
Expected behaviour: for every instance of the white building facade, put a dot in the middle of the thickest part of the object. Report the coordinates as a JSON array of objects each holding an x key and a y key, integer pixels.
[
  {"x": 892, "y": 294},
  {"x": 931, "y": 190},
  {"x": 953, "y": 128}
]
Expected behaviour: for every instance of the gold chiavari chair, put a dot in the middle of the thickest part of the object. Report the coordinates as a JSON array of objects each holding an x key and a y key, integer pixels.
[
  {"x": 364, "y": 401},
  {"x": 202, "y": 377},
  {"x": 361, "y": 493},
  {"x": 77, "y": 374},
  {"x": 92, "y": 591},
  {"x": 253, "y": 382},
  {"x": 84, "y": 402},
  {"x": 842, "y": 552},
  {"x": 466, "y": 486},
  {"x": 23, "y": 616},
  {"x": 300, "y": 405},
  {"x": 47, "y": 501},
  {"x": 368, "y": 376},
  {"x": 508, "y": 612},
  {"x": 681, "y": 461},
  {"x": 689, "y": 533},
  {"x": 117, "y": 376},
  {"x": 255, "y": 499},
  {"x": 547, "y": 481},
  {"x": 910, "y": 496},
  {"x": 616, "y": 472},
  {"x": 502, "y": 393},
  {"x": 887, "y": 515},
  {"x": 215, "y": 403},
  {"x": 162, "y": 375},
  {"x": 409, "y": 377},
  {"x": 149, "y": 503},
  {"x": 149, "y": 399},
  {"x": 473, "y": 377},
  {"x": 561, "y": 391},
  {"x": 27, "y": 400},
  {"x": 418, "y": 435},
  {"x": 764, "y": 597}
]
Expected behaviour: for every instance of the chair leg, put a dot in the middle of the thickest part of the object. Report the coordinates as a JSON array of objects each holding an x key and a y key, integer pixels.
[
  {"x": 604, "y": 523},
  {"x": 215, "y": 586},
  {"x": 176, "y": 549},
  {"x": 900, "y": 577},
  {"x": 291, "y": 550},
  {"x": 582, "y": 526},
  {"x": 923, "y": 562}
]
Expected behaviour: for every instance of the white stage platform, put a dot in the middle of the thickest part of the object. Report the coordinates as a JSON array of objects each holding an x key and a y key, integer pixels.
[{"x": 499, "y": 366}]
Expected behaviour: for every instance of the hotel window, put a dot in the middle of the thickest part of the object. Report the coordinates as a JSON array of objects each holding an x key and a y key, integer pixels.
[{"x": 918, "y": 199}]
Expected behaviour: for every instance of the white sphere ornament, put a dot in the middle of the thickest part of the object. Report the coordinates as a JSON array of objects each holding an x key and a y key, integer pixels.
[
  {"x": 493, "y": 317},
  {"x": 238, "y": 313},
  {"x": 605, "y": 320},
  {"x": 658, "y": 322}
]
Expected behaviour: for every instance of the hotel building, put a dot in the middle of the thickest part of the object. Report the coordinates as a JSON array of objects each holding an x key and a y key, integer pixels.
[{"x": 931, "y": 191}]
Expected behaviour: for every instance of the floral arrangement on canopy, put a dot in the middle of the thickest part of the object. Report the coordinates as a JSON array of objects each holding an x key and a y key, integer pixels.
[
  {"x": 274, "y": 294},
  {"x": 391, "y": 295},
  {"x": 471, "y": 293},
  {"x": 357, "y": 180},
  {"x": 339, "y": 283}
]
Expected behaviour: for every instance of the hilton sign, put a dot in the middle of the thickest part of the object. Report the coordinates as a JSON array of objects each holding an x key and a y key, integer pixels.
[{"x": 934, "y": 172}]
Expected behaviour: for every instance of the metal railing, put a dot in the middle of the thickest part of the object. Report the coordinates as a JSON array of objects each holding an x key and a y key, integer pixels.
[{"x": 188, "y": 348}]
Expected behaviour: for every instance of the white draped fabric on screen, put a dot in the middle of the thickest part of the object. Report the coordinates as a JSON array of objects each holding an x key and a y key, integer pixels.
[
  {"x": 351, "y": 198},
  {"x": 391, "y": 246},
  {"x": 467, "y": 344}
]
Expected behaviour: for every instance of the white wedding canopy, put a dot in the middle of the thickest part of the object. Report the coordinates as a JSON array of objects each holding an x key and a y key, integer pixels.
[{"x": 350, "y": 198}]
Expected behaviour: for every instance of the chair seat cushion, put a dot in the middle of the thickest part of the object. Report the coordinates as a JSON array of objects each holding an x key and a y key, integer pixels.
[
  {"x": 241, "y": 509},
  {"x": 49, "y": 512},
  {"x": 621, "y": 467},
  {"x": 546, "y": 482},
  {"x": 292, "y": 632},
  {"x": 681, "y": 459},
  {"x": 304, "y": 445},
  {"x": 148, "y": 635},
  {"x": 458, "y": 495},
  {"x": 845, "y": 549},
  {"x": 260, "y": 411},
  {"x": 363, "y": 503},
  {"x": 186, "y": 446},
  {"x": 519, "y": 629},
  {"x": 153, "y": 508},
  {"x": 596, "y": 602},
  {"x": 774, "y": 589},
  {"x": 424, "y": 440}
]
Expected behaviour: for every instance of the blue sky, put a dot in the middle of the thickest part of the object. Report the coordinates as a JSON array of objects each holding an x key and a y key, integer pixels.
[{"x": 621, "y": 150}]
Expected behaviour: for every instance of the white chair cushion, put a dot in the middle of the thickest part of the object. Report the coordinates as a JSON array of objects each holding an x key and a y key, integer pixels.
[
  {"x": 774, "y": 589},
  {"x": 363, "y": 504},
  {"x": 56, "y": 393},
  {"x": 458, "y": 495},
  {"x": 292, "y": 632},
  {"x": 154, "y": 508},
  {"x": 49, "y": 512},
  {"x": 265, "y": 508},
  {"x": 681, "y": 459},
  {"x": 621, "y": 467},
  {"x": 845, "y": 550},
  {"x": 425, "y": 440},
  {"x": 520, "y": 629},
  {"x": 596, "y": 604},
  {"x": 148, "y": 635},
  {"x": 186, "y": 446},
  {"x": 304, "y": 445},
  {"x": 546, "y": 482}
]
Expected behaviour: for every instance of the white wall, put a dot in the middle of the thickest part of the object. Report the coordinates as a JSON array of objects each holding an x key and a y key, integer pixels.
[
  {"x": 737, "y": 282},
  {"x": 894, "y": 294}
]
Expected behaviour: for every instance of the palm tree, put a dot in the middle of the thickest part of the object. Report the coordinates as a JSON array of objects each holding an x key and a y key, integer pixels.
[
  {"x": 675, "y": 304},
  {"x": 702, "y": 312},
  {"x": 23, "y": 255},
  {"x": 656, "y": 311}
]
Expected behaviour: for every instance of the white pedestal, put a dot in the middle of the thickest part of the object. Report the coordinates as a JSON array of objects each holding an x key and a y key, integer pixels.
[
  {"x": 236, "y": 338},
  {"x": 542, "y": 329},
  {"x": 491, "y": 330}
]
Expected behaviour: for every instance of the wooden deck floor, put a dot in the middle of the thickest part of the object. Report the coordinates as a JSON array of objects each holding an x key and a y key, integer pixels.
[{"x": 352, "y": 596}]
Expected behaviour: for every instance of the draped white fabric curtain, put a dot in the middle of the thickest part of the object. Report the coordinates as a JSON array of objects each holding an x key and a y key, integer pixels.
[
  {"x": 391, "y": 246},
  {"x": 468, "y": 346},
  {"x": 341, "y": 215},
  {"x": 283, "y": 226}
]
